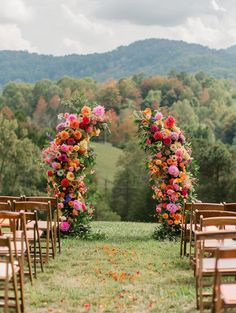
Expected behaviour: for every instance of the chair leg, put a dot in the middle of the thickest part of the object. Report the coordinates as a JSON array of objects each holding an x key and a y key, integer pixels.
[
  {"x": 40, "y": 252},
  {"x": 16, "y": 294},
  {"x": 59, "y": 238},
  {"x": 21, "y": 277}
]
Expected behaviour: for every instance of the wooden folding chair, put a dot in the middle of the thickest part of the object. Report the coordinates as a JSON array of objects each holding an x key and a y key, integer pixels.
[
  {"x": 44, "y": 223},
  {"x": 200, "y": 207},
  {"x": 197, "y": 226},
  {"x": 16, "y": 230},
  {"x": 56, "y": 217},
  {"x": 206, "y": 245},
  {"x": 11, "y": 277},
  {"x": 224, "y": 292},
  {"x": 185, "y": 228}
]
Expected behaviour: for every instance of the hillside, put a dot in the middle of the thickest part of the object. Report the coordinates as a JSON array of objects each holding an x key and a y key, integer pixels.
[
  {"x": 106, "y": 163},
  {"x": 150, "y": 56}
]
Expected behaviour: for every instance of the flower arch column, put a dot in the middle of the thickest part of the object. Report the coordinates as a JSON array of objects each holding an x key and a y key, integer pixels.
[
  {"x": 70, "y": 160},
  {"x": 168, "y": 161}
]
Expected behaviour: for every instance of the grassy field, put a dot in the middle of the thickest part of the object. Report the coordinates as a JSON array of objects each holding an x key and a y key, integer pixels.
[
  {"x": 126, "y": 272},
  {"x": 106, "y": 163}
]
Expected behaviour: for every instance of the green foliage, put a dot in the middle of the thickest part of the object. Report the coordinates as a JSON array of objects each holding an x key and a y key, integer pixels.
[
  {"x": 165, "y": 232},
  {"x": 20, "y": 162},
  {"x": 131, "y": 197}
]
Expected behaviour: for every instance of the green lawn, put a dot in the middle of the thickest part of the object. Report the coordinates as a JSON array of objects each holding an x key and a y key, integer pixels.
[
  {"x": 106, "y": 163},
  {"x": 126, "y": 272}
]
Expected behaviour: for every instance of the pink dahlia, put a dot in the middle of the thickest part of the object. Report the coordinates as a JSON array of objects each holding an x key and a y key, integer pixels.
[
  {"x": 173, "y": 170},
  {"x": 99, "y": 110}
]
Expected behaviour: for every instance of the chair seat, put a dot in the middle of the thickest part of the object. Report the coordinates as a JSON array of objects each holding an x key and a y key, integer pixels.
[
  {"x": 7, "y": 266},
  {"x": 5, "y": 250},
  {"x": 228, "y": 293},
  {"x": 42, "y": 225},
  {"x": 224, "y": 265},
  {"x": 30, "y": 234}
]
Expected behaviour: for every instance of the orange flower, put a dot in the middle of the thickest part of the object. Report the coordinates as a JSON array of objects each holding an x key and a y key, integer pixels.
[
  {"x": 71, "y": 203},
  {"x": 58, "y": 141},
  {"x": 74, "y": 124},
  {"x": 170, "y": 222},
  {"x": 64, "y": 135},
  {"x": 177, "y": 222},
  {"x": 169, "y": 161},
  {"x": 158, "y": 162},
  {"x": 164, "y": 164},
  {"x": 165, "y": 216},
  {"x": 85, "y": 110},
  {"x": 77, "y": 135}
]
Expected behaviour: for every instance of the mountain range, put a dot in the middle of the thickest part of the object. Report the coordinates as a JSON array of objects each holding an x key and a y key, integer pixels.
[{"x": 149, "y": 56}]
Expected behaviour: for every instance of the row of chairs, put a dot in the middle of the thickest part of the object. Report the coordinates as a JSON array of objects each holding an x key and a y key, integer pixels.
[
  {"x": 210, "y": 231},
  {"x": 29, "y": 231}
]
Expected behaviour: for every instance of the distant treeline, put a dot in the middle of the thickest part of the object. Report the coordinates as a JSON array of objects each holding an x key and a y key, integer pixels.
[{"x": 150, "y": 56}]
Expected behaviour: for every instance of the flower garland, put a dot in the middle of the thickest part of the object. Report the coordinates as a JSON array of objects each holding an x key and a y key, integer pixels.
[
  {"x": 70, "y": 159},
  {"x": 169, "y": 156}
]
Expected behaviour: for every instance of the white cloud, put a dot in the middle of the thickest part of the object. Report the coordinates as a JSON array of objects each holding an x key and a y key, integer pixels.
[
  {"x": 11, "y": 39},
  {"x": 15, "y": 11}
]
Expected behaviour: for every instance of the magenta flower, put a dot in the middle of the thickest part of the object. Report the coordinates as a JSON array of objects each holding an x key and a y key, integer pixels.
[
  {"x": 64, "y": 148},
  {"x": 154, "y": 128},
  {"x": 71, "y": 141},
  {"x": 78, "y": 205},
  {"x": 173, "y": 170},
  {"x": 72, "y": 117},
  {"x": 65, "y": 226},
  {"x": 99, "y": 110}
]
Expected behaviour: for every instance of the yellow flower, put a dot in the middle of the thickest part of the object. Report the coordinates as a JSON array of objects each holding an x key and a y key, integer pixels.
[
  {"x": 76, "y": 148},
  {"x": 70, "y": 176}
]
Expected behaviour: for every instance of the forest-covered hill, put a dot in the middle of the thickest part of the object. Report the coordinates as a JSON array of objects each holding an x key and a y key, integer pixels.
[{"x": 150, "y": 56}]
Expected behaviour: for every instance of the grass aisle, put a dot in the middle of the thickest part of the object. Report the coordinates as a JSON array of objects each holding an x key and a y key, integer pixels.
[{"x": 127, "y": 272}]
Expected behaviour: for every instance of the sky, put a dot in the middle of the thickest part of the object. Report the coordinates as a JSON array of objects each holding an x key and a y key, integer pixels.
[{"x": 62, "y": 27}]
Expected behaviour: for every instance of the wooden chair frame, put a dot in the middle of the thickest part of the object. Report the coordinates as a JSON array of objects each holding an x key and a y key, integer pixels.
[
  {"x": 205, "y": 267},
  {"x": 45, "y": 226},
  {"x": 12, "y": 273},
  {"x": 56, "y": 217}
]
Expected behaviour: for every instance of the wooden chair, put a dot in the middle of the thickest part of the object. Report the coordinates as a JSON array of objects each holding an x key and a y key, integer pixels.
[
  {"x": 185, "y": 228},
  {"x": 206, "y": 245},
  {"x": 224, "y": 293},
  {"x": 17, "y": 231},
  {"x": 11, "y": 274},
  {"x": 56, "y": 217},
  {"x": 200, "y": 207},
  {"x": 230, "y": 206},
  {"x": 197, "y": 226},
  {"x": 44, "y": 223}
]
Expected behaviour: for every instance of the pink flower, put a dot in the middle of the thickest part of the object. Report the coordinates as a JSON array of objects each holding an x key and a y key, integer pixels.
[
  {"x": 173, "y": 170},
  {"x": 174, "y": 136},
  {"x": 72, "y": 117},
  {"x": 179, "y": 153},
  {"x": 65, "y": 226},
  {"x": 99, "y": 110},
  {"x": 148, "y": 141},
  {"x": 158, "y": 208},
  {"x": 171, "y": 207},
  {"x": 55, "y": 165},
  {"x": 60, "y": 205},
  {"x": 159, "y": 116},
  {"x": 78, "y": 205},
  {"x": 159, "y": 155},
  {"x": 64, "y": 148}
]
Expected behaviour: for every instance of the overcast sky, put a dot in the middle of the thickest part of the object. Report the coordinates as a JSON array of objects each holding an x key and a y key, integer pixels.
[{"x": 62, "y": 27}]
